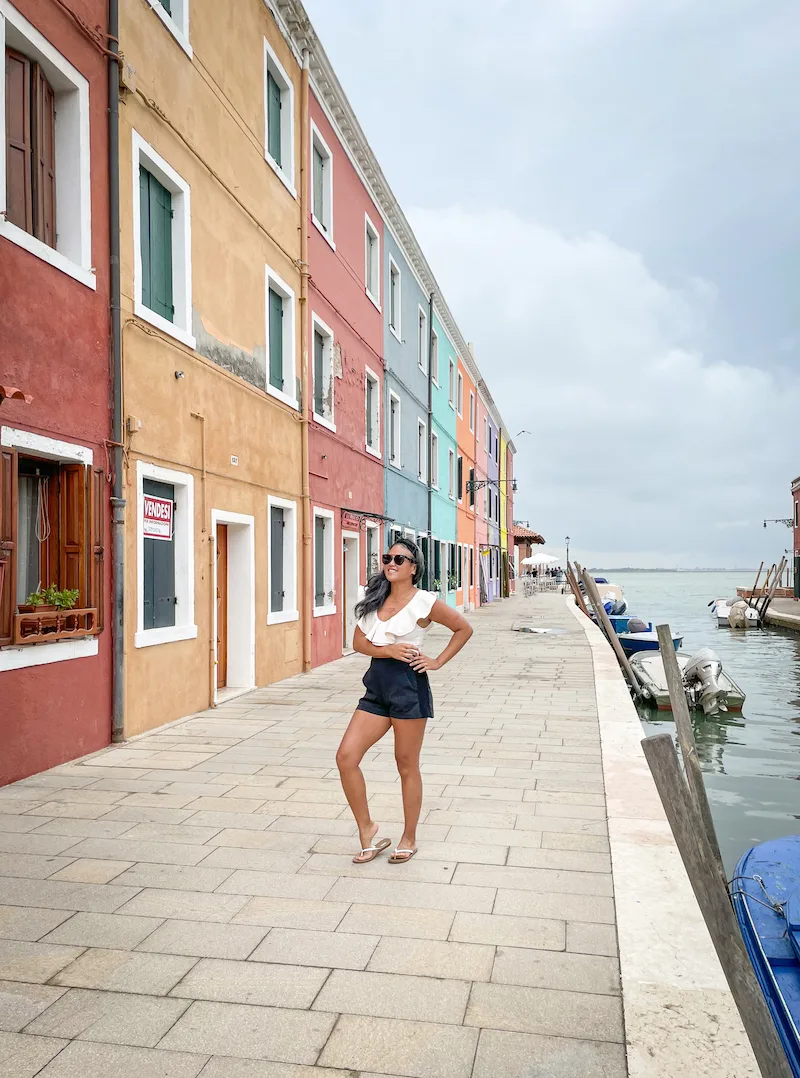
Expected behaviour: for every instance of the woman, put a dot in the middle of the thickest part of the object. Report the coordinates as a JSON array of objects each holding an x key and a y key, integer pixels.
[{"x": 393, "y": 619}]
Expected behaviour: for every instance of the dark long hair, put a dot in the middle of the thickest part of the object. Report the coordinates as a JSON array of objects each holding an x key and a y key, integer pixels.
[{"x": 378, "y": 587}]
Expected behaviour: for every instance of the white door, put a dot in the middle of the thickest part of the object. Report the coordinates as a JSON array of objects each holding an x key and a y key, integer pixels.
[{"x": 350, "y": 582}]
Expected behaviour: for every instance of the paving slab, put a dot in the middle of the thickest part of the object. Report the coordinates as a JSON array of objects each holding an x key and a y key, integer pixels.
[
  {"x": 21, "y": 1003},
  {"x": 394, "y": 1047},
  {"x": 22, "y": 1056},
  {"x": 262, "y": 983},
  {"x": 82, "y": 1059},
  {"x": 109, "y": 1017}
]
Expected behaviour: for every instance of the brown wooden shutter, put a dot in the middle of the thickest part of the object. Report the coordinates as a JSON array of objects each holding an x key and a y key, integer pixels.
[
  {"x": 44, "y": 158},
  {"x": 8, "y": 542},
  {"x": 96, "y": 479},
  {"x": 19, "y": 195},
  {"x": 72, "y": 529}
]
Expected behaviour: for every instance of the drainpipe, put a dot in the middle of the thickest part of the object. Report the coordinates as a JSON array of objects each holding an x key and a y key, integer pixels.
[
  {"x": 428, "y": 568},
  {"x": 304, "y": 379},
  {"x": 118, "y": 488}
]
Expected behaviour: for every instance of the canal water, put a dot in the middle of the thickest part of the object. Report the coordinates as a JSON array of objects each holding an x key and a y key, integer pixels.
[{"x": 751, "y": 759}]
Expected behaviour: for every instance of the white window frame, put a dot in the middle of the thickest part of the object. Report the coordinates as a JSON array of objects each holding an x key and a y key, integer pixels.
[
  {"x": 327, "y": 185},
  {"x": 272, "y": 280},
  {"x": 433, "y": 358},
  {"x": 395, "y": 274},
  {"x": 422, "y": 339},
  {"x": 451, "y": 474},
  {"x": 22, "y": 656},
  {"x": 451, "y": 390},
  {"x": 177, "y": 23},
  {"x": 330, "y": 566},
  {"x": 434, "y": 460},
  {"x": 375, "y": 448},
  {"x": 371, "y": 230},
  {"x": 371, "y": 527},
  {"x": 184, "y": 627},
  {"x": 327, "y": 360},
  {"x": 460, "y": 567},
  {"x": 291, "y": 611},
  {"x": 73, "y": 252},
  {"x": 422, "y": 446},
  {"x": 284, "y": 172},
  {"x": 395, "y": 459},
  {"x": 460, "y": 493},
  {"x": 181, "y": 328},
  {"x": 471, "y": 412},
  {"x": 459, "y": 395}
]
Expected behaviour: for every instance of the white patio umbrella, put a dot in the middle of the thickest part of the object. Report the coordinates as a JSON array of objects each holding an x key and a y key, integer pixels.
[{"x": 540, "y": 559}]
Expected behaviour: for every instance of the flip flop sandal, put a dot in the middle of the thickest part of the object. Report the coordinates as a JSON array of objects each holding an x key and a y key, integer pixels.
[
  {"x": 399, "y": 857},
  {"x": 379, "y": 847}
]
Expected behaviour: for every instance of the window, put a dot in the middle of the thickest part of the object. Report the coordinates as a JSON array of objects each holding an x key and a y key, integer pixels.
[
  {"x": 422, "y": 462},
  {"x": 282, "y": 561},
  {"x": 52, "y": 505},
  {"x": 373, "y": 549},
  {"x": 452, "y": 385},
  {"x": 175, "y": 16},
  {"x": 497, "y": 449},
  {"x": 372, "y": 269},
  {"x": 460, "y": 396},
  {"x": 44, "y": 186},
  {"x": 471, "y": 566},
  {"x": 460, "y": 478},
  {"x": 323, "y": 372},
  {"x": 451, "y": 567},
  {"x": 486, "y": 433},
  {"x": 321, "y": 185},
  {"x": 394, "y": 534},
  {"x": 165, "y": 555},
  {"x": 372, "y": 400},
  {"x": 459, "y": 564},
  {"x": 280, "y": 374},
  {"x": 434, "y": 459},
  {"x": 324, "y": 594},
  {"x": 395, "y": 299},
  {"x": 422, "y": 340},
  {"x": 451, "y": 470},
  {"x": 162, "y": 244},
  {"x": 471, "y": 411},
  {"x": 394, "y": 430},
  {"x": 437, "y": 565},
  {"x": 435, "y": 356},
  {"x": 278, "y": 119},
  {"x": 472, "y": 488}
]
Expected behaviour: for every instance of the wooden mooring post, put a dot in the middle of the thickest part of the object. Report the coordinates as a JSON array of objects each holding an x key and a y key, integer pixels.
[
  {"x": 576, "y": 591},
  {"x": 608, "y": 628},
  {"x": 775, "y": 584},
  {"x": 701, "y": 864}
]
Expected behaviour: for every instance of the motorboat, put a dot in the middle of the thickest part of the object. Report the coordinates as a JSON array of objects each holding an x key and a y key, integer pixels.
[
  {"x": 745, "y": 616},
  {"x": 707, "y": 686},
  {"x": 634, "y": 643},
  {"x": 620, "y": 622},
  {"x": 611, "y": 596},
  {"x": 765, "y": 891}
]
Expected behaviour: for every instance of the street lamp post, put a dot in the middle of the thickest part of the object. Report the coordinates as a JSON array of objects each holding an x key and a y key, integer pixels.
[{"x": 567, "y": 544}]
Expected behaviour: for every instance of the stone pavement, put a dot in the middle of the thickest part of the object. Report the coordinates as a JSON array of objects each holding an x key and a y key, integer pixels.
[{"x": 185, "y": 904}]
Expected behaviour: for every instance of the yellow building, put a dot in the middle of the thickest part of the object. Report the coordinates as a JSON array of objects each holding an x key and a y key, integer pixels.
[{"x": 210, "y": 159}]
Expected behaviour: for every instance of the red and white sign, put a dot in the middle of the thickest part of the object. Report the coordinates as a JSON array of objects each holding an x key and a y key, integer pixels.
[{"x": 157, "y": 518}]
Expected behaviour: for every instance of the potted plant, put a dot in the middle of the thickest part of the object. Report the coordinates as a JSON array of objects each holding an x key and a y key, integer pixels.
[
  {"x": 49, "y": 599},
  {"x": 452, "y": 582},
  {"x": 437, "y": 585}
]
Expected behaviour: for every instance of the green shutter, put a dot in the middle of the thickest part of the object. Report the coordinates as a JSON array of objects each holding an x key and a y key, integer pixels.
[
  {"x": 370, "y": 427},
  {"x": 159, "y": 569},
  {"x": 167, "y": 6},
  {"x": 319, "y": 561},
  {"x": 276, "y": 553},
  {"x": 155, "y": 227},
  {"x": 319, "y": 176},
  {"x": 275, "y": 340},
  {"x": 319, "y": 352},
  {"x": 274, "y": 119}
]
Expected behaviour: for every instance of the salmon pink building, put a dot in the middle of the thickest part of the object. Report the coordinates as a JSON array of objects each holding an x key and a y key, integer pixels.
[
  {"x": 55, "y": 647},
  {"x": 466, "y": 427},
  {"x": 345, "y": 335}
]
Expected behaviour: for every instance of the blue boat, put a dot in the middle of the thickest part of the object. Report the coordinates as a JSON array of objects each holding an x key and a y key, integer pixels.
[
  {"x": 766, "y": 897},
  {"x": 635, "y": 642},
  {"x": 619, "y": 622}
]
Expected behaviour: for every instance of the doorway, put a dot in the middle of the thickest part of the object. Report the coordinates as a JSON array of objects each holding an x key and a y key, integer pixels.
[
  {"x": 222, "y": 606},
  {"x": 350, "y": 587},
  {"x": 234, "y": 629}
]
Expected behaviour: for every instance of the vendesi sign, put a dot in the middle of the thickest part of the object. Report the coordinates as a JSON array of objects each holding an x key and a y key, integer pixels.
[{"x": 157, "y": 516}]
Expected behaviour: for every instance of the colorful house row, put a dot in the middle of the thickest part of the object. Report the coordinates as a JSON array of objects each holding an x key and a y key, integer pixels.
[{"x": 252, "y": 382}]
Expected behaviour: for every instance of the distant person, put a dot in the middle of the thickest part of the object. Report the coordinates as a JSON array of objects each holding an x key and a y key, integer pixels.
[{"x": 393, "y": 620}]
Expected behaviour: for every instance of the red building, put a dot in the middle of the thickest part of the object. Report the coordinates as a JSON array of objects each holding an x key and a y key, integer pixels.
[
  {"x": 55, "y": 666},
  {"x": 796, "y": 534},
  {"x": 345, "y": 336}
]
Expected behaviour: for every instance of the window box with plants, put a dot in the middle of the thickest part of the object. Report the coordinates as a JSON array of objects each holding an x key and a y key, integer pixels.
[{"x": 50, "y": 614}]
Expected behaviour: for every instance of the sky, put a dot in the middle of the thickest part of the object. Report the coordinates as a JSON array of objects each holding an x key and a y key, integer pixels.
[{"x": 607, "y": 192}]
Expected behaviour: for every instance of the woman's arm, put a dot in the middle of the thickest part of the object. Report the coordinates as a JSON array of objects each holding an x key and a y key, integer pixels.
[
  {"x": 404, "y": 652},
  {"x": 458, "y": 626}
]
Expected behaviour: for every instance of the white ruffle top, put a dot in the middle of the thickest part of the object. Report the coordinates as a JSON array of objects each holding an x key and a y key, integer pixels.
[{"x": 402, "y": 628}]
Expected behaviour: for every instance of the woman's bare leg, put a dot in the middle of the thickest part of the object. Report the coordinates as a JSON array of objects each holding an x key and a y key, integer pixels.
[
  {"x": 408, "y": 735},
  {"x": 361, "y": 734}
]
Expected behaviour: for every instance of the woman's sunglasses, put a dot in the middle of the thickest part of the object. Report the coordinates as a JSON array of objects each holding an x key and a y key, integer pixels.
[{"x": 398, "y": 559}]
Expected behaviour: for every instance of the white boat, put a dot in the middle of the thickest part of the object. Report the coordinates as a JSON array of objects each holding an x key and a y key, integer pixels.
[
  {"x": 721, "y": 610},
  {"x": 723, "y": 695}
]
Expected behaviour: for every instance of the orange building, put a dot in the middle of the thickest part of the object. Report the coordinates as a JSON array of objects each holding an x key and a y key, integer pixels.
[{"x": 466, "y": 432}]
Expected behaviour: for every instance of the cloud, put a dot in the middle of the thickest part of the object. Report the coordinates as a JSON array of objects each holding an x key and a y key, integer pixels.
[{"x": 640, "y": 441}]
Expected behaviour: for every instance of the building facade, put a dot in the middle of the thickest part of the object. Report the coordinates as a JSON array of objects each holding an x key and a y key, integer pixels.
[
  {"x": 444, "y": 456},
  {"x": 466, "y": 425},
  {"x": 55, "y": 418}
]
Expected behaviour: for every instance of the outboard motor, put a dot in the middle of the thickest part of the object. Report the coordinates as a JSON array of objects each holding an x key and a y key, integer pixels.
[{"x": 701, "y": 678}]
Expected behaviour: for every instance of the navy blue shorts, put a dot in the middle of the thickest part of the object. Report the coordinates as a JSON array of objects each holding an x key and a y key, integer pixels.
[{"x": 395, "y": 691}]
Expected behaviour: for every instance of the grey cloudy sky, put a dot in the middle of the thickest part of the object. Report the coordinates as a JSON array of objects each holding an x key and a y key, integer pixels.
[{"x": 607, "y": 191}]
